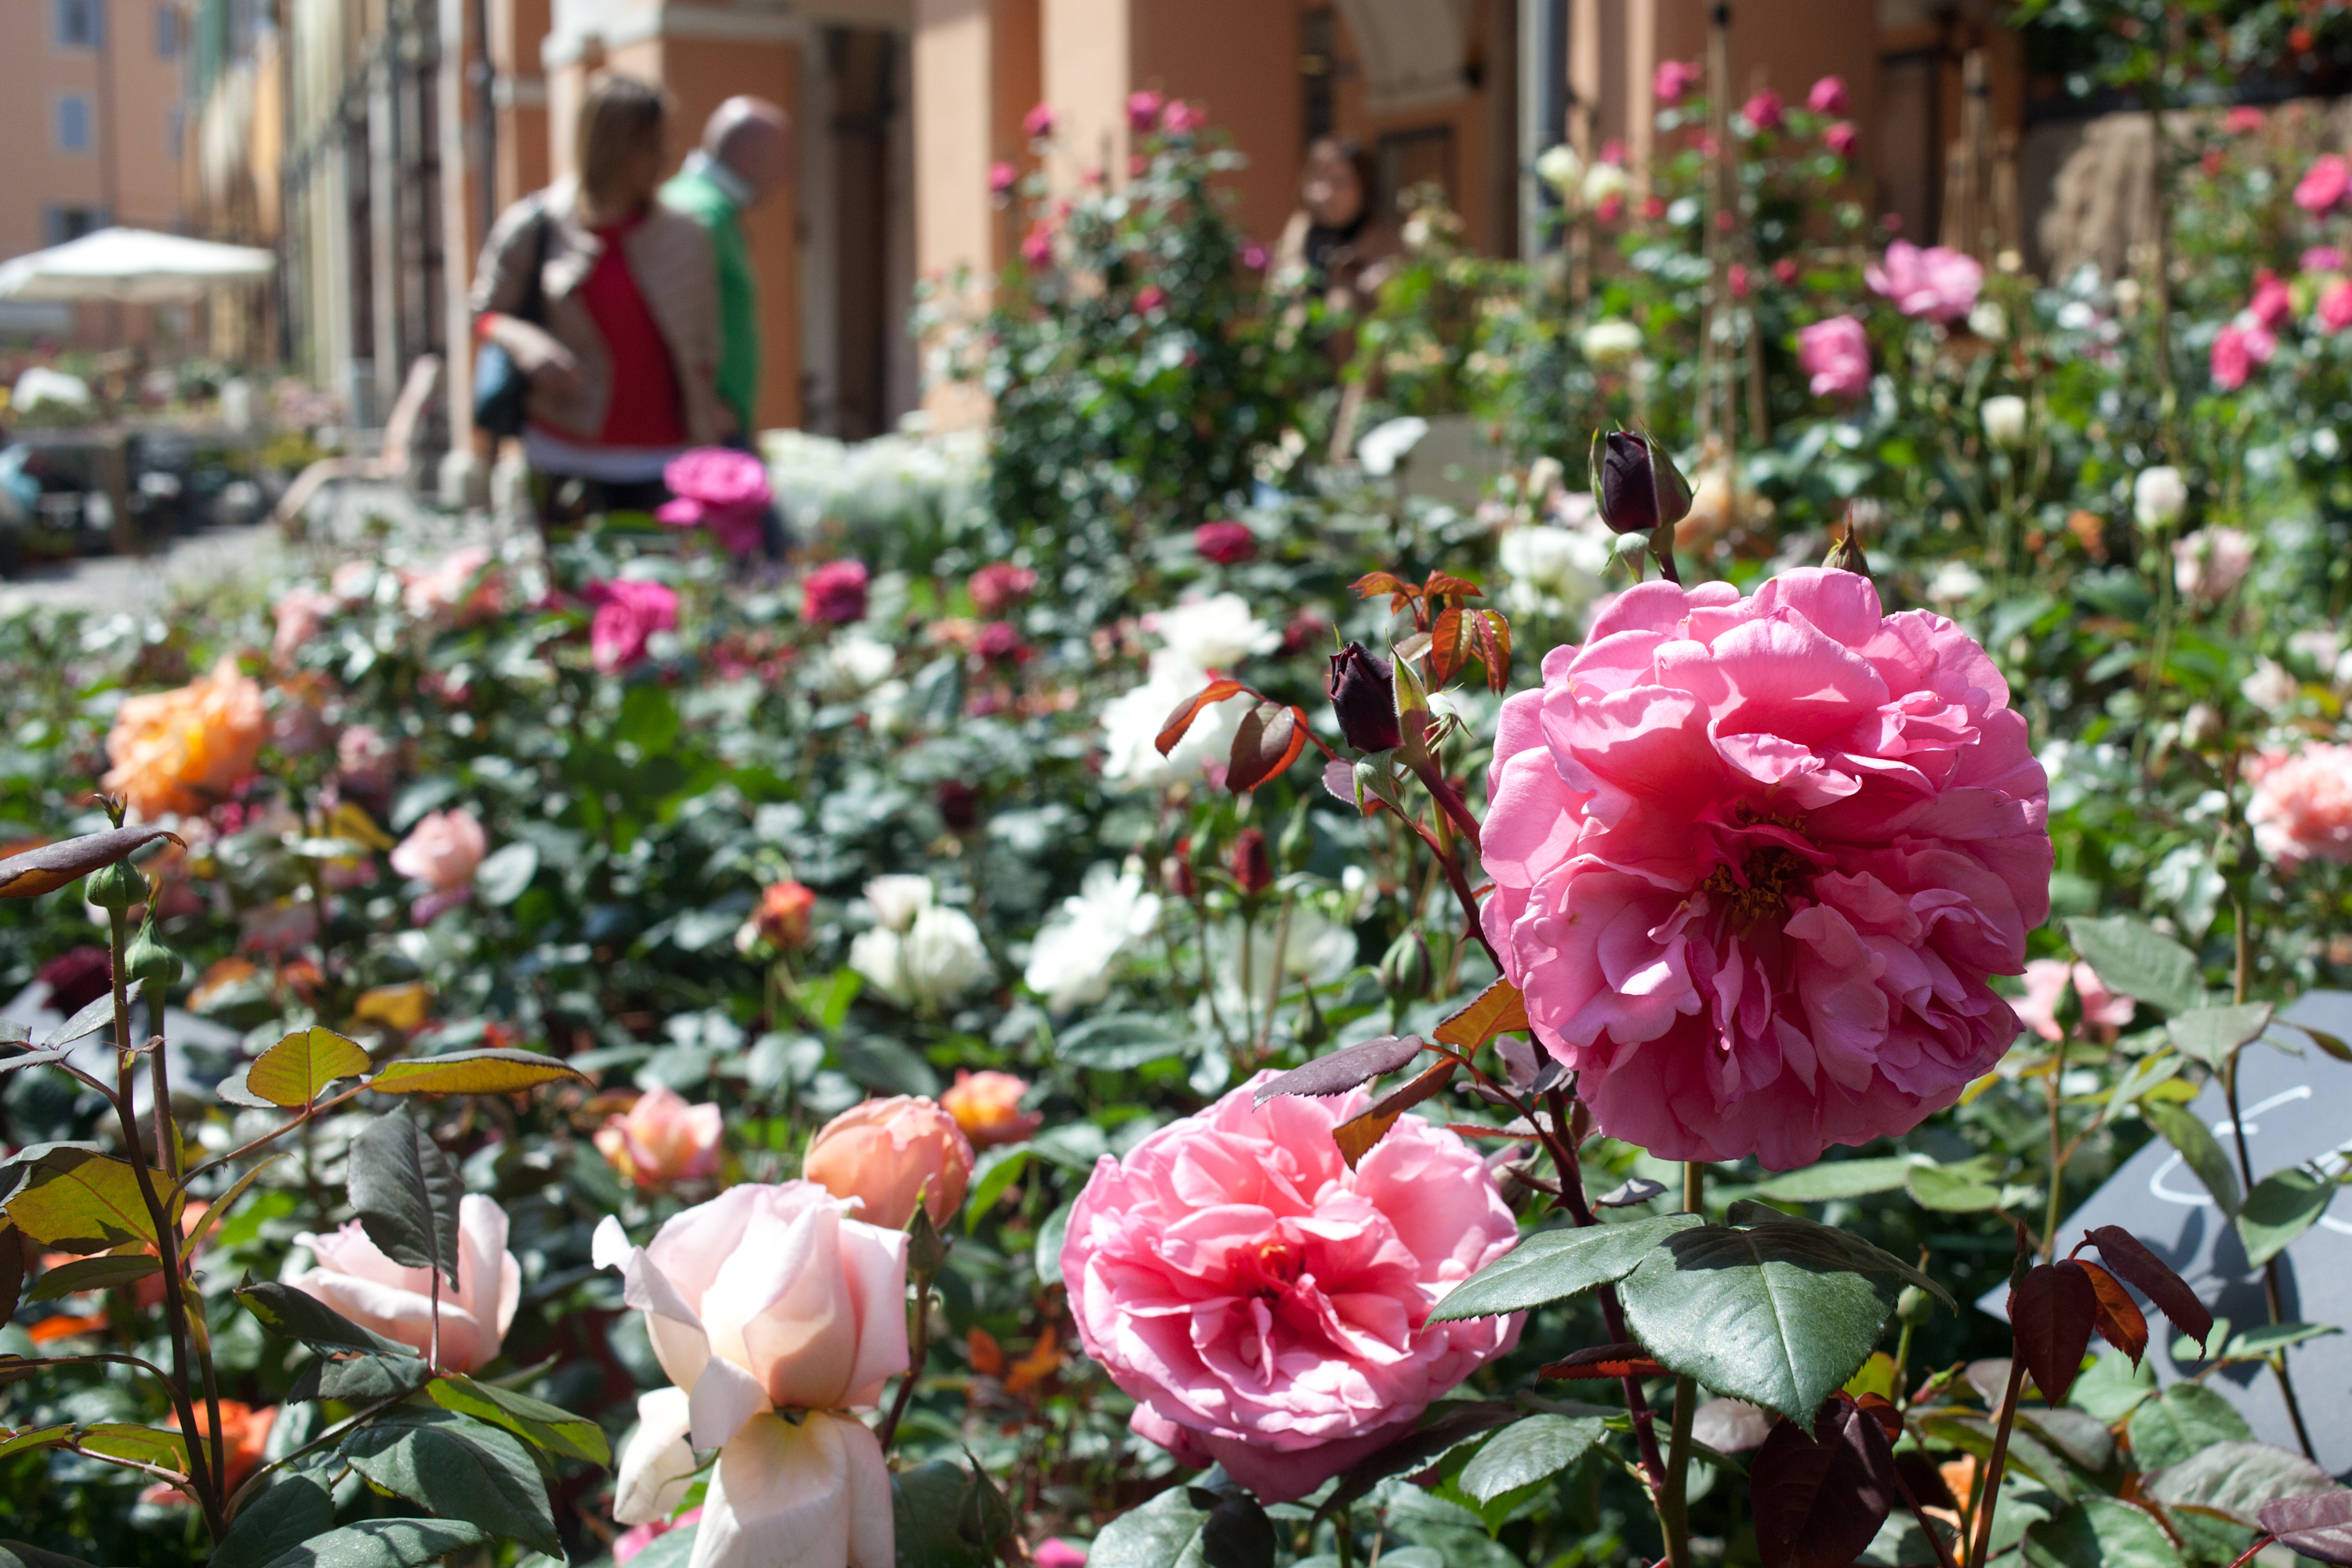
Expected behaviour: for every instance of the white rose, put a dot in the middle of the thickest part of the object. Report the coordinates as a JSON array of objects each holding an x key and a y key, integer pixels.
[
  {"x": 2160, "y": 496},
  {"x": 851, "y": 665},
  {"x": 1560, "y": 168},
  {"x": 942, "y": 957},
  {"x": 2271, "y": 688},
  {"x": 1603, "y": 181},
  {"x": 1610, "y": 344},
  {"x": 2004, "y": 422},
  {"x": 1955, "y": 582},
  {"x": 1131, "y": 727},
  {"x": 1214, "y": 633},
  {"x": 1075, "y": 952},
  {"x": 1383, "y": 447},
  {"x": 895, "y": 902}
]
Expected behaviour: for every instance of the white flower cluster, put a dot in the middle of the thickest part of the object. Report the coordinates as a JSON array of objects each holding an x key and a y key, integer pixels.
[
  {"x": 1077, "y": 949},
  {"x": 919, "y": 952}
]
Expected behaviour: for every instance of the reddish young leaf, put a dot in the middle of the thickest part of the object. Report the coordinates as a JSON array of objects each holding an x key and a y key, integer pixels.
[
  {"x": 1490, "y": 641},
  {"x": 1820, "y": 1498},
  {"x": 1604, "y": 1361},
  {"x": 1344, "y": 1069},
  {"x": 1497, "y": 1010},
  {"x": 2120, "y": 1321},
  {"x": 1447, "y": 653},
  {"x": 1357, "y": 1135},
  {"x": 1267, "y": 740},
  {"x": 1399, "y": 590},
  {"x": 1189, "y": 709},
  {"x": 1451, "y": 586},
  {"x": 2128, "y": 1256},
  {"x": 2318, "y": 1526},
  {"x": 1883, "y": 1410},
  {"x": 2051, "y": 1311}
]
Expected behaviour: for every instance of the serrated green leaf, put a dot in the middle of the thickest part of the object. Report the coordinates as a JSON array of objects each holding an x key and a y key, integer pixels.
[
  {"x": 94, "y": 1274},
  {"x": 1188, "y": 1527},
  {"x": 2198, "y": 1149},
  {"x": 2133, "y": 959},
  {"x": 496, "y": 1071},
  {"x": 2282, "y": 1205},
  {"x": 358, "y": 1379},
  {"x": 290, "y": 1073},
  {"x": 36, "y": 1437},
  {"x": 2213, "y": 1035},
  {"x": 535, "y": 1421},
  {"x": 1555, "y": 1265},
  {"x": 1845, "y": 1249},
  {"x": 383, "y": 1543},
  {"x": 1834, "y": 1179},
  {"x": 503, "y": 875},
  {"x": 1527, "y": 1452},
  {"x": 275, "y": 1521},
  {"x": 405, "y": 1192},
  {"x": 2235, "y": 1478},
  {"x": 998, "y": 1169},
  {"x": 2181, "y": 1422},
  {"x": 929, "y": 1506},
  {"x": 82, "y": 1202},
  {"x": 2100, "y": 1533},
  {"x": 143, "y": 1445},
  {"x": 2269, "y": 1339},
  {"x": 459, "y": 1468}
]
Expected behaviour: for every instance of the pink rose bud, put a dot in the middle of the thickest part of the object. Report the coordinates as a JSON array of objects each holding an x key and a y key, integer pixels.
[
  {"x": 834, "y": 594},
  {"x": 1836, "y": 354},
  {"x": 1226, "y": 542},
  {"x": 1841, "y": 138},
  {"x": 1828, "y": 96},
  {"x": 354, "y": 1277},
  {"x": 889, "y": 1152},
  {"x": 1039, "y": 122},
  {"x": 1002, "y": 177},
  {"x": 443, "y": 850},
  {"x": 783, "y": 917},
  {"x": 1673, "y": 81},
  {"x": 1765, "y": 111},
  {"x": 661, "y": 1141},
  {"x": 1248, "y": 861},
  {"x": 999, "y": 586},
  {"x": 1143, "y": 110},
  {"x": 987, "y": 1106}
]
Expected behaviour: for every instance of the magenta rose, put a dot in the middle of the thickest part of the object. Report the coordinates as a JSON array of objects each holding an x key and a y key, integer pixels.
[
  {"x": 1143, "y": 110},
  {"x": 1828, "y": 96},
  {"x": 628, "y": 613},
  {"x": 1936, "y": 283},
  {"x": 1226, "y": 542},
  {"x": 2273, "y": 300},
  {"x": 2335, "y": 305},
  {"x": 719, "y": 489},
  {"x": 1841, "y": 138},
  {"x": 2238, "y": 347},
  {"x": 2324, "y": 184},
  {"x": 999, "y": 586},
  {"x": 834, "y": 594},
  {"x": 1765, "y": 111},
  {"x": 1836, "y": 354},
  {"x": 1268, "y": 1308},
  {"x": 1754, "y": 860},
  {"x": 1673, "y": 81}
]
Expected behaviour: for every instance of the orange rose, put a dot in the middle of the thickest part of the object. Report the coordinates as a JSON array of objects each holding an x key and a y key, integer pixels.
[
  {"x": 987, "y": 1106},
  {"x": 244, "y": 1436},
  {"x": 180, "y": 750},
  {"x": 890, "y": 1152}
]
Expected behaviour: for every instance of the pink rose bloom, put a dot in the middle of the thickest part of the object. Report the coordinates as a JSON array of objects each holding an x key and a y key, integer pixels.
[
  {"x": 661, "y": 1140},
  {"x": 628, "y": 613},
  {"x": 1765, "y": 111},
  {"x": 2273, "y": 302},
  {"x": 443, "y": 850},
  {"x": 1755, "y": 859},
  {"x": 2321, "y": 259},
  {"x": 1056, "y": 1552},
  {"x": 2211, "y": 563},
  {"x": 723, "y": 489},
  {"x": 834, "y": 594},
  {"x": 1143, "y": 110},
  {"x": 2302, "y": 807},
  {"x": 1841, "y": 138},
  {"x": 1935, "y": 283},
  {"x": 999, "y": 586},
  {"x": 451, "y": 584},
  {"x": 1265, "y": 1306},
  {"x": 1002, "y": 177},
  {"x": 300, "y": 613},
  {"x": 1836, "y": 354},
  {"x": 362, "y": 754},
  {"x": 354, "y": 1277},
  {"x": 1828, "y": 96},
  {"x": 2244, "y": 118},
  {"x": 1226, "y": 542},
  {"x": 2045, "y": 983},
  {"x": 1180, "y": 117},
  {"x": 1039, "y": 122},
  {"x": 765, "y": 1300},
  {"x": 2323, "y": 185},
  {"x": 2335, "y": 305},
  {"x": 1672, "y": 80}
]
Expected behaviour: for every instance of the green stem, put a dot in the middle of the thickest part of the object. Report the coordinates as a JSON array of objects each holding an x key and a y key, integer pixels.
[
  {"x": 2057, "y": 1145},
  {"x": 917, "y": 1352},
  {"x": 1674, "y": 1504}
]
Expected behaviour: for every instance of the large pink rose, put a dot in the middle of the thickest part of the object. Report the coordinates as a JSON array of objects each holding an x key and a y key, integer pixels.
[
  {"x": 2302, "y": 807},
  {"x": 1753, "y": 859},
  {"x": 1936, "y": 283},
  {"x": 723, "y": 489},
  {"x": 354, "y": 1277},
  {"x": 1836, "y": 354},
  {"x": 1267, "y": 1307}
]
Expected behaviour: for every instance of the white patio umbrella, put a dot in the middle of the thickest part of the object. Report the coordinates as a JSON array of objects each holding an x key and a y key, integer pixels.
[{"x": 133, "y": 266}]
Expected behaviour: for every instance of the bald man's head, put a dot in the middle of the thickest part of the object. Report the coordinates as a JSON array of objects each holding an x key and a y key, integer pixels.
[{"x": 754, "y": 139}]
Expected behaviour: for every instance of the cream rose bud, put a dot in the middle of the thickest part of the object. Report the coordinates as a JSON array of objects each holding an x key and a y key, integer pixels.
[
  {"x": 2160, "y": 496},
  {"x": 353, "y": 1277},
  {"x": 1612, "y": 344},
  {"x": 2004, "y": 422},
  {"x": 890, "y": 1153}
]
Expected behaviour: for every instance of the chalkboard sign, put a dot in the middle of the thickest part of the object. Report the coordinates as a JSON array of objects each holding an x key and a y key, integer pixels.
[{"x": 2297, "y": 1103}]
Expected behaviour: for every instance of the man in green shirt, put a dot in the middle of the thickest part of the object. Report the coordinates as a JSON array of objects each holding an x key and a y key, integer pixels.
[{"x": 746, "y": 153}]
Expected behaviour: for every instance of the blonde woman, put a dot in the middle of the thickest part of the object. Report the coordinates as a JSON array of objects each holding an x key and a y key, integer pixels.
[{"x": 607, "y": 302}]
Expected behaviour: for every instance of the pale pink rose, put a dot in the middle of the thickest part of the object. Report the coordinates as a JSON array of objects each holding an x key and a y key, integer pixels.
[
  {"x": 1935, "y": 283},
  {"x": 443, "y": 850},
  {"x": 1672, "y": 80},
  {"x": 888, "y": 1153},
  {"x": 661, "y": 1140},
  {"x": 352, "y": 580},
  {"x": 2302, "y": 807},
  {"x": 300, "y": 613},
  {"x": 452, "y": 585},
  {"x": 2273, "y": 300},
  {"x": 2335, "y": 305},
  {"x": 1755, "y": 859},
  {"x": 638, "y": 1537},
  {"x": 2045, "y": 983},
  {"x": 1180, "y": 117},
  {"x": 764, "y": 1300},
  {"x": 358, "y": 1281},
  {"x": 628, "y": 613},
  {"x": 1828, "y": 96},
  {"x": 2324, "y": 184},
  {"x": 1836, "y": 354},
  {"x": 2211, "y": 563},
  {"x": 1267, "y": 1307}
]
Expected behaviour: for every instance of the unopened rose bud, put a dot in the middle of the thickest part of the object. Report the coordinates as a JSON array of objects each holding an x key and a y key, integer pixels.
[
  {"x": 1250, "y": 864},
  {"x": 783, "y": 917},
  {"x": 1405, "y": 969},
  {"x": 987, "y": 1106},
  {"x": 115, "y": 887},
  {"x": 1915, "y": 1306},
  {"x": 889, "y": 1152},
  {"x": 1363, "y": 698},
  {"x": 1176, "y": 873},
  {"x": 147, "y": 960},
  {"x": 1640, "y": 489}
]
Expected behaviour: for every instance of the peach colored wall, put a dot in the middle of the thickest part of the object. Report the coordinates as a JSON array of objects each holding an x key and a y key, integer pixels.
[
  {"x": 1239, "y": 60},
  {"x": 1786, "y": 45},
  {"x": 1087, "y": 62},
  {"x": 1470, "y": 118},
  {"x": 1016, "y": 82},
  {"x": 955, "y": 138}
]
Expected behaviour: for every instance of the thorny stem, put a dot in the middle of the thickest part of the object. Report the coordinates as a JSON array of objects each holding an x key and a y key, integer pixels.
[
  {"x": 916, "y": 1354},
  {"x": 1988, "y": 1483},
  {"x": 2058, "y": 1148},
  {"x": 167, "y": 1234},
  {"x": 1674, "y": 1507}
]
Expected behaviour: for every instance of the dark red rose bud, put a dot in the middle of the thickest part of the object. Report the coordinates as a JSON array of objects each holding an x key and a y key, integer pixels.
[
  {"x": 1364, "y": 699},
  {"x": 1251, "y": 867},
  {"x": 1638, "y": 485},
  {"x": 77, "y": 978},
  {"x": 1227, "y": 543},
  {"x": 1176, "y": 871},
  {"x": 959, "y": 804}
]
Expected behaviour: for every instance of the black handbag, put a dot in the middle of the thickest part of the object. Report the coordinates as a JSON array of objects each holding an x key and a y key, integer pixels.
[{"x": 501, "y": 391}]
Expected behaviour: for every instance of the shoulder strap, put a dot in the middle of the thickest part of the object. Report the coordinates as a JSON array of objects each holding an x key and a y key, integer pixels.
[{"x": 534, "y": 301}]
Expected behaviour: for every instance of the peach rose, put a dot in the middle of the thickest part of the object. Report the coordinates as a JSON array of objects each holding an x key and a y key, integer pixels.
[
  {"x": 354, "y": 1277},
  {"x": 889, "y": 1152},
  {"x": 2302, "y": 807},
  {"x": 661, "y": 1140},
  {"x": 987, "y": 1106},
  {"x": 180, "y": 750},
  {"x": 766, "y": 1299}
]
